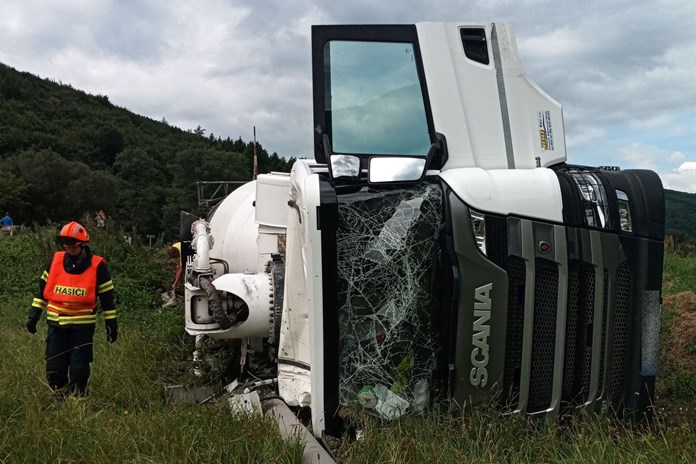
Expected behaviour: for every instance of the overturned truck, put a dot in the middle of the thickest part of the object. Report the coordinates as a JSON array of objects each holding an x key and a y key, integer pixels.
[{"x": 439, "y": 247}]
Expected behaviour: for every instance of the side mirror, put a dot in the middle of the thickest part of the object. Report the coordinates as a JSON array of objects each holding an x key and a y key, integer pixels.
[
  {"x": 344, "y": 167},
  {"x": 395, "y": 169}
]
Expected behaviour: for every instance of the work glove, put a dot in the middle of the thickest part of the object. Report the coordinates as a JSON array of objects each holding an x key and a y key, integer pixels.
[
  {"x": 33, "y": 316},
  {"x": 111, "y": 330},
  {"x": 31, "y": 324}
]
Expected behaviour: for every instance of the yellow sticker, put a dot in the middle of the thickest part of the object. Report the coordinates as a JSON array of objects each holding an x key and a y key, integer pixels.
[{"x": 70, "y": 291}]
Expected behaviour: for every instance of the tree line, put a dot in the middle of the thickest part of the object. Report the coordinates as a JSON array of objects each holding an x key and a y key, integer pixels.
[
  {"x": 680, "y": 217},
  {"x": 65, "y": 153}
]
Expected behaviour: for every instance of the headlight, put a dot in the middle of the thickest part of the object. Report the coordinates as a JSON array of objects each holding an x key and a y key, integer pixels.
[
  {"x": 624, "y": 211},
  {"x": 594, "y": 197},
  {"x": 478, "y": 224}
]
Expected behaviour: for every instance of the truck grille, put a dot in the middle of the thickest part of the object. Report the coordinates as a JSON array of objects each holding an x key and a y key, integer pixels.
[
  {"x": 580, "y": 382},
  {"x": 586, "y": 316},
  {"x": 620, "y": 334},
  {"x": 544, "y": 335},
  {"x": 515, "y": 321},
  {"x": 569, "y": 364},
  {"x": 578, "y": 349},
  {"x": 604, "y": 327},
  {"x": 496, "y": 239}
]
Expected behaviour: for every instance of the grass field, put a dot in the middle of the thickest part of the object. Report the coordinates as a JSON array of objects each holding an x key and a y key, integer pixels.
[{"x": 126, "y": 420}]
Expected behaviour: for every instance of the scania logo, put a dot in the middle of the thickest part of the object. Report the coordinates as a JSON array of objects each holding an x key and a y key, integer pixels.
[
  {"x": 544, "y": 247},
  {"x": 479, "y": 338}
]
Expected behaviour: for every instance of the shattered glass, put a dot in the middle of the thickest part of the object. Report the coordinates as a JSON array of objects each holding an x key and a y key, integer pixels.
[{"x": 385, "y": 264}]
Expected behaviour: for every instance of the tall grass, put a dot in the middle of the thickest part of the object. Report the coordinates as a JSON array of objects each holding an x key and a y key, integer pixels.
[
  {"x": 678, "y": 364},
  {"x": 125, "y": 419},
  {"x": 679, "y": 274},
  {"x": 484, "y": 436}
]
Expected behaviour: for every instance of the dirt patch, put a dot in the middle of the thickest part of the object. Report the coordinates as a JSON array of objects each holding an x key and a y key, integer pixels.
[
  {"x": 679, "y": 339},
  {"x": 681, "y": 302}
]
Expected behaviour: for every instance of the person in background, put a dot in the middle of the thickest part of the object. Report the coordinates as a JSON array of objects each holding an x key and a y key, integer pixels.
[
  {"x": 6, "y": 221},
  {"x": 68, "y": 292},
  {"x": 174, "y": 251}
]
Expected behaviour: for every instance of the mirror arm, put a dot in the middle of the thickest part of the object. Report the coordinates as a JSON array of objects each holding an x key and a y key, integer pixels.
[
  {"x": 433, "y": 155},
  {"x": 437, "y": 154}
]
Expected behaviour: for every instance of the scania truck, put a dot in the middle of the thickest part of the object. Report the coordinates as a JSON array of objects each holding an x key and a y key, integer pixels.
[{"x": 438, "y": 247}]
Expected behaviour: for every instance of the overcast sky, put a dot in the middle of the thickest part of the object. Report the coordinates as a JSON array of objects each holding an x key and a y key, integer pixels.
[{"x": 624, "y": 70}]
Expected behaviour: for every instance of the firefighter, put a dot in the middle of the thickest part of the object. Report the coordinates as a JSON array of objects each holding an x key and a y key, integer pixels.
[{"x": 68, "y": 292}]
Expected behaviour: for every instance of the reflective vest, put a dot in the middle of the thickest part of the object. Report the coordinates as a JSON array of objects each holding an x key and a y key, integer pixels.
[{"x": 72, "y": 298}]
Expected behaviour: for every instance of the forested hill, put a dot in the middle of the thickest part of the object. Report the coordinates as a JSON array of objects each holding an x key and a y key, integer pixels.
[
  {"x": 681, "y": 215},
  {"x": 65, "y": 153}
]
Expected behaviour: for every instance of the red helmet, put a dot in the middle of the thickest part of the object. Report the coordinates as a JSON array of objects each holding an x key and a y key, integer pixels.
[{"x": 73, "y": 232}]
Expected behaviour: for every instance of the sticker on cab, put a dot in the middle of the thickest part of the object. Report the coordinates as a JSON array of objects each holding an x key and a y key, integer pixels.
[{"x": 545, "y": 130}]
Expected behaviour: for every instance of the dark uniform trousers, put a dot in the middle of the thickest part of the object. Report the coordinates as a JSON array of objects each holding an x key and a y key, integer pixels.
[{"x": 68, "y": 356}]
